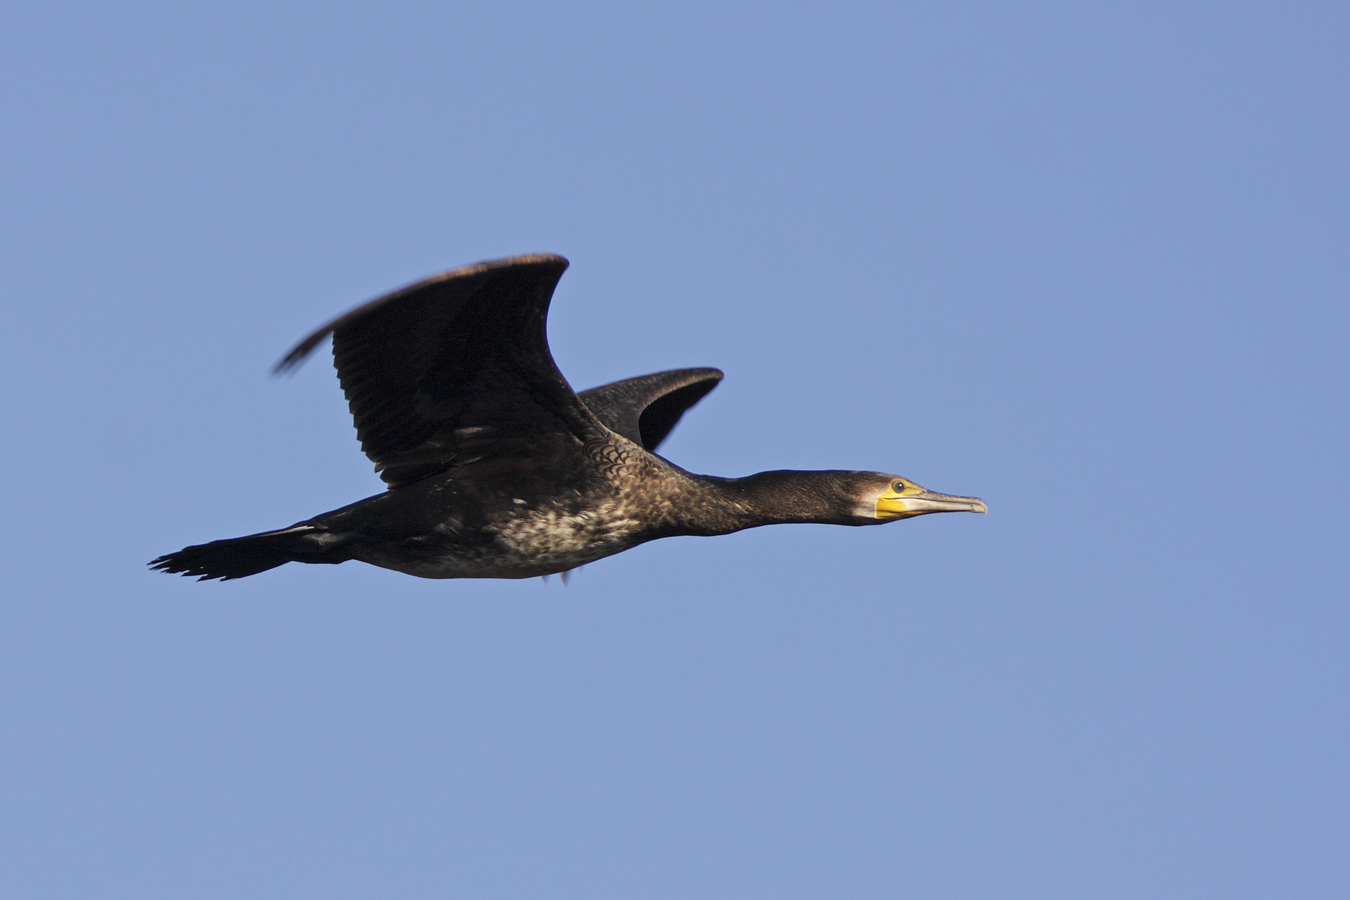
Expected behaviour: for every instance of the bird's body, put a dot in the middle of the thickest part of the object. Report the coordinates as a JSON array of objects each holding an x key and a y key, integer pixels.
[
  {"x": 505, "y": 524},
  {"x": 496, "y": 469}
]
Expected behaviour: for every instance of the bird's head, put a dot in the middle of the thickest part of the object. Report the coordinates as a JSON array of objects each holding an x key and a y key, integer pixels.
[{"x": 889, "y": 497}]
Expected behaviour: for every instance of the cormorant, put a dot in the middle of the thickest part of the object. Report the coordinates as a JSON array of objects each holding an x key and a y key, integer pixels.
[{"x": 497, "y": 469}]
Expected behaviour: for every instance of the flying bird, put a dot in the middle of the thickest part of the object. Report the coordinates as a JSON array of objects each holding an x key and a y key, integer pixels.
[{"x": 495, "y": 468}]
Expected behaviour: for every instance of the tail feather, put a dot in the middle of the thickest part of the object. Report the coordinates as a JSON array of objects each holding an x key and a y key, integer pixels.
[{"x": 243, "y": 556}]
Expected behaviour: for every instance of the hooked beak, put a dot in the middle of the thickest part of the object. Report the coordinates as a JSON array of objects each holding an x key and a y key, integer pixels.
[{"x": 891, "y": 505}]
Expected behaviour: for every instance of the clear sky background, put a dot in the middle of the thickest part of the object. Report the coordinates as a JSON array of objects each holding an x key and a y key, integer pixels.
[{"x": 1090, "y": 262}]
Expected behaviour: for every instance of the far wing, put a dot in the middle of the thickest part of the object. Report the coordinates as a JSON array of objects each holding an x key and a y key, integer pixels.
[
  {"x": 455, "y": 369},
  {"x": 645, "y": 409}
]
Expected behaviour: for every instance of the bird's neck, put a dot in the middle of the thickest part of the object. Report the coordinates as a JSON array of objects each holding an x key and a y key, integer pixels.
[{"x": 725, "y": 505}]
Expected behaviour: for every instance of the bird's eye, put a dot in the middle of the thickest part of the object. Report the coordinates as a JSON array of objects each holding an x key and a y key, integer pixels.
[{"x": 898, "y": 486}]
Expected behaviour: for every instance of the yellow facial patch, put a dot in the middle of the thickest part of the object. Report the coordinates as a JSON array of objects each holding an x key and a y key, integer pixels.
[{"x": 892, "y": 504}]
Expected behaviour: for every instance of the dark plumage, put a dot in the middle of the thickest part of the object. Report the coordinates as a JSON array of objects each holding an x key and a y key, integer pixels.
[{"x": 497, "y": 469}]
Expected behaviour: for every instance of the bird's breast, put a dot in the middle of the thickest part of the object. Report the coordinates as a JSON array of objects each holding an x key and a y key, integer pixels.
[{"x": 559, "y": 538}]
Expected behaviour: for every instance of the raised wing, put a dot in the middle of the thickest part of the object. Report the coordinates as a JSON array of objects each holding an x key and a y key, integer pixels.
[
  {"x": 645, "y": 409},
  {"x": 455, "y": 369}
]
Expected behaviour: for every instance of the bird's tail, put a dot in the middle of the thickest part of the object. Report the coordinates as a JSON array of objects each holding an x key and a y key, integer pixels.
[{"x": 243, "y": 556}]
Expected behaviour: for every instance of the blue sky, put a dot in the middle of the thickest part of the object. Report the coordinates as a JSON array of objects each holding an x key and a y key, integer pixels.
[{"x": 1087, "y": 262}]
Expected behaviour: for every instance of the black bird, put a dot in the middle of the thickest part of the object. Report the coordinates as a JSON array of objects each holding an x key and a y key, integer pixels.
[{"x": 497, "y": 469}]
